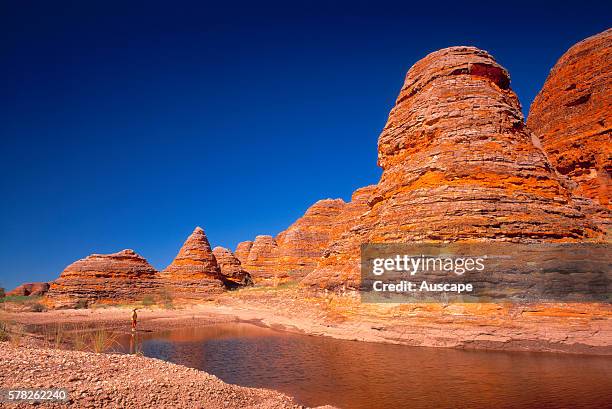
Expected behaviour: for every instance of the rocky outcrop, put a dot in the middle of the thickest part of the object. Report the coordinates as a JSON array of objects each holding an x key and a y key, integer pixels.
[
  {"x": 572, "y": 117},
  {"x": 352, "y": 211},
  {"x": 295, "y": 252},
  {"x": 103, "y": 278},
  {"x": 262, "y": 262},
  {"x": 194, "y": 273},
  {"x": 242, "y": 251},
  {"x": 458, "y": 164},
  {"x": 231, "y": 269},
  {"x": 30, "y": 289},
  {"x": 303, "y": 243},
  {"x": 126, "y": 277}
]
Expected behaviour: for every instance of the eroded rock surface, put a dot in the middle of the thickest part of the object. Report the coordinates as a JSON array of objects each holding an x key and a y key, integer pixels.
[
  {"x": 458, "y": 164},
  {"x": 30, "y": 289},
  {"x": 303, "y": 243},
  {"x": 231, "y": 269},
  {"x": 194, "y": 273},
  {"x": 242, "y": 251},
  {"x": 103, "y": 278},
  {"x": 262, "y": 262},
  {"x": 572, "y": 116},
  {"x": 295, "y": 252}
]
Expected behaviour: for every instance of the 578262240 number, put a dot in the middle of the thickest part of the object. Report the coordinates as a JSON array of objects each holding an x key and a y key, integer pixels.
[{"x": 33, "y": 395}]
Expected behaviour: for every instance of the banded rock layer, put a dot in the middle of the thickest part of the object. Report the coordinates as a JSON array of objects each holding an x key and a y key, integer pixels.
[
  {"x": 302, "y": 244},
  {"x": 231, "y": 269},
  {"x": 458, "y": 164},
  {"x": 194, "y": 273},
  {"x": 262, "y": 261},
  {"x": 572, "y": 116},
  {"x": 103, "y": 278},
  {"x": 30, "y": 290},
  {"x": 242, "y": 251},
  {"x": 295, "y": 252}
]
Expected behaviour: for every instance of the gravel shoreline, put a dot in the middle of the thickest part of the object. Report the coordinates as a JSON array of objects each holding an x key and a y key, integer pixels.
[{"x": 124, "y": 381}]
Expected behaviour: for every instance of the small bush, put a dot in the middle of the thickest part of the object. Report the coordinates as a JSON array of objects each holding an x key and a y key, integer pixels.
[
  {"x": 81, "y": 304},
  {"x": 147, "y": 301},
  {"x": 4, "y": 332},
  {"x": 102, "y": 340},
  {"x": 15, "y": 338},
  {"x": 166, "y": 300},
  {"x": 79, "y": 338},
  {"x": 37, "y": 307},
  {"x": 54, "y": 335}
]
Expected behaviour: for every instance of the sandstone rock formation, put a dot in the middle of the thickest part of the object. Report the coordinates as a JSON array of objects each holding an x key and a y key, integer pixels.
[
  {"x": 194, "y": 273},
  {"x": 30, "y": 289},
  {"x": 572, "y": 116},
  {"x": 302, "y": 244},
  {"x": 458, "y": 164},
  {"x": 262, "y": 262},
  {"x": 242, "y": 251},
  {"x": 231, "y": 269},
  {"x": 103, "y": 278},
  {"x": 296, "y": 251}
]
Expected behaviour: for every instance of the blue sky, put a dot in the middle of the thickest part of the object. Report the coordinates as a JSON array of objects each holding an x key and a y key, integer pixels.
[{"x": 125, "y": 126}]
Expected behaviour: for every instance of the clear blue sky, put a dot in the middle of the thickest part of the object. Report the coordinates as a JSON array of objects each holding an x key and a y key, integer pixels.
[{"x": 126, "y": 125}]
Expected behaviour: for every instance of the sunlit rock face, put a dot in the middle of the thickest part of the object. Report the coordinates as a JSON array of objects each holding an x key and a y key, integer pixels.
[
  {"x": 458, "y": 163},
  {"x": 296, "y": 251},
  {"x": 232, "y": 272},
  {"x": 572, "y": 116},
  {"x": 103, "y": 278},
  {"x": 30, "y": 290},
  {"x": 194, "y": 273},
  {"x": 242, "y": 251},
  {"x": 302, "y": 244},
  {"x": 262, "y": 262}
]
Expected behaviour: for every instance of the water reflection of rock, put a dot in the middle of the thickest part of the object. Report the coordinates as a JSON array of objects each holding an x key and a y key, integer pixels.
[{"x": 319, "y": 370}]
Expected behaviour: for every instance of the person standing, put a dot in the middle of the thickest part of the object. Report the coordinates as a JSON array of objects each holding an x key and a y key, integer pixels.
[{"x": 134, "y": 319}]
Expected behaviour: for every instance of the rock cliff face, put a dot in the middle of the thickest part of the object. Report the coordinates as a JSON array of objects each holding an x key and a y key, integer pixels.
[
  {"x": 242, "y": 251},
  {"x": 262, "y": 262},
  {"x": 103, "y": 278},
  {"x": 458, "y": 164},
  {"x": 30, "y": 289},
  {"x": 572, "y": 116},
  {"x": 302, "y": 244},
  {"x": 231, "y": 269},
  {"x": 295, "y": 252},
  {"x": 194, "y": 273}
]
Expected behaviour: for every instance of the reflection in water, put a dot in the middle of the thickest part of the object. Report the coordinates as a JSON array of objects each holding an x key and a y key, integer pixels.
[{"x": 318, "y": 371}]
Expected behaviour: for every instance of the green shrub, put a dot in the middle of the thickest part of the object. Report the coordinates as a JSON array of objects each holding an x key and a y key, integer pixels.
[{"x": 20, "y": 299}]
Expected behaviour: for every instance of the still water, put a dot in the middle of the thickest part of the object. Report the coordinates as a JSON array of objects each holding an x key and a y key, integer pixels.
[{"x": 347, "y": 374}]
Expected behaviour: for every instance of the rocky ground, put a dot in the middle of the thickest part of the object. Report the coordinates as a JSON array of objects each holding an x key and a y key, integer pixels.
[{"x": 124, "y": 381}]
